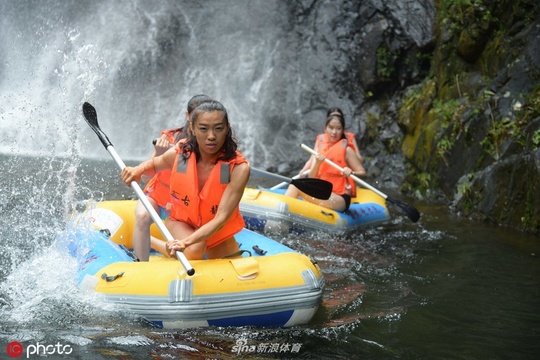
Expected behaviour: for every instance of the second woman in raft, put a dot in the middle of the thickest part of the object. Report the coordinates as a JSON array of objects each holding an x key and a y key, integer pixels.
[{"x": 335, "y": 146}]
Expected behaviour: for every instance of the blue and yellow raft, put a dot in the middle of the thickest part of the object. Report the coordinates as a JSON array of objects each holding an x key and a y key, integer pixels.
[
  {"x": 269, "y": 210},
  {"x": 275, "y": 286}
]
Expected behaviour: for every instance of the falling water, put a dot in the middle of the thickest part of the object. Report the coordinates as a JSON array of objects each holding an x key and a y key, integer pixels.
[{"x": 138, "y": 63}]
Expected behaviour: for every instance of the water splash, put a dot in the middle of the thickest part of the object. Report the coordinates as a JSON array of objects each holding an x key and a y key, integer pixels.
[{"x": 42, "y": 294}]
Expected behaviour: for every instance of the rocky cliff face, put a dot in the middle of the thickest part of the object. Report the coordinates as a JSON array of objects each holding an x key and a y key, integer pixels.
[
  {"x": 472, "y": 127},
  {"x": 447, "y": 93}
]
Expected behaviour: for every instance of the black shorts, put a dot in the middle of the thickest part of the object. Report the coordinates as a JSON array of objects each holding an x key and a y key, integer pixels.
[{"x": 347, "y": 199}]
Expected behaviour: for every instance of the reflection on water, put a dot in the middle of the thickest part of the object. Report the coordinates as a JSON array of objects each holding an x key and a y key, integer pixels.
[{"x": 442, "y": 288}]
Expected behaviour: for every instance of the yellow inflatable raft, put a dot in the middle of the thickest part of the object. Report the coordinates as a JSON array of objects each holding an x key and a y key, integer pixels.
[
  {"x": 268, "y": 210},
  {"x": 272, "y": 286}
]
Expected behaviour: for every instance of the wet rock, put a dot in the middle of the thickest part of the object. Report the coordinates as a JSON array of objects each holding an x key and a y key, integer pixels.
[{"x": 504, "y": 193}]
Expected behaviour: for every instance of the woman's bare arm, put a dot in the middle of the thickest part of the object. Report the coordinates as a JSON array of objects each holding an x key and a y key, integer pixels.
[{"x": 149, "y": 167}]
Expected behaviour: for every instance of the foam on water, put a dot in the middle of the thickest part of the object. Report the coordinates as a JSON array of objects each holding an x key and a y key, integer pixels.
[{"x": 41, "y": 292}]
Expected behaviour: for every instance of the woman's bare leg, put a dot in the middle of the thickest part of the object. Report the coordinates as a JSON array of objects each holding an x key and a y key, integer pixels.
[
  {"x": 180, "y": 230},
  {"x": 335, "y": 202},
  {"x": 226, "y": 248},
  {"x": 292, "y": 191},
  {"x": 141, "y": 230}
]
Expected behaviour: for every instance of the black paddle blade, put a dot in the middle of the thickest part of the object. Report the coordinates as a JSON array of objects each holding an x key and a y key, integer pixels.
[
  {"x": 406, "y": 209},
  {"x": 90, "y": 115},
  {"x": 320, "y": 189}
]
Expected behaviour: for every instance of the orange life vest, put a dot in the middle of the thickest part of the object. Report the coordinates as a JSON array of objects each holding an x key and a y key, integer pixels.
[
  {"x": 198, "y": 208},
  {"x": 158, "y": 186},
  {"x": 323, "y": 139},
  {"x": 335, "y": 153}
]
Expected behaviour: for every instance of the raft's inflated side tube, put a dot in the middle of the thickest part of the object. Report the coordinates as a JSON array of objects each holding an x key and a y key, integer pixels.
[
  {"x": 276, "y": 286},
  {"x": 261, "y": 206}
]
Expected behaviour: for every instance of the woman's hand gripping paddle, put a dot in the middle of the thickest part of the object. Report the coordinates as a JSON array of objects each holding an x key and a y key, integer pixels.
[
  {"x": 91, "y": 118},
  {"x": 320, "y": 189},
  {"x": 405, "y": 208}
]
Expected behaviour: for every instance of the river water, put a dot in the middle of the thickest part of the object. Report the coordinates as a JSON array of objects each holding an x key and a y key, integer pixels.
[{"x": 444, "y": 288}]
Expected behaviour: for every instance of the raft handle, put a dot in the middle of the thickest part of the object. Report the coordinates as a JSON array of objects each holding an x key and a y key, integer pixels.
[
  {"x": 258, "y": 250},
  {"x": 107, "y": 232},
  {"x": 112, "y": 277},
  {"x": 327, "y": 213},
  {"x": 130, "y": 253}
]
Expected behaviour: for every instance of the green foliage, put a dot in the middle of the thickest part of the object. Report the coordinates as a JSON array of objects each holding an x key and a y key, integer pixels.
[
  {"x": 385, "y": 63},
  {"x": 372, "y": 125},
  {"x": 443, "y": 147},
  {"x": 442, "y": 113},
  {"x": 531, "y": 108},
  {"x": 536, "y": 138},
  {"x": 497, "y": 133},
  {"x": 418, "y": 182},
  {"x": 413, "y": 95},
  {"x": 424, "y": 182},
  {"x": 465, "y": 192},
  {"x": 467, "y": 12},
  {"x": 449, "y": 113},
  {"x": 529, "y": 221},
  {"x": 502, "y": 129}
]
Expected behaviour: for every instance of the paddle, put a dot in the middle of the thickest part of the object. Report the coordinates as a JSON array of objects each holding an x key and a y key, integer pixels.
[
  {"x": 282, "y": 184},
  {"x": 405, "y": 208},
  {"x": 320, "y": 189},
  {"x": 90, "y": 115}
]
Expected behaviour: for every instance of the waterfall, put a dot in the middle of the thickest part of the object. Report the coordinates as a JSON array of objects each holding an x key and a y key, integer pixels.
[{"x": 139, "y": 62}]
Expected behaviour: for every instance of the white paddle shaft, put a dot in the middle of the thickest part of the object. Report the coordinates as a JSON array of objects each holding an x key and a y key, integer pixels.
[{"x": 153, "y": 214}]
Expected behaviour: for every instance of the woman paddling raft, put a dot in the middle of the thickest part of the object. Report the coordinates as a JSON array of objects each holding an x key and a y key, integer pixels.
[
  {"x": 157, "y": 189},
  {"x": 207, "y": 182},
  {"x": 334, "y": 145}
]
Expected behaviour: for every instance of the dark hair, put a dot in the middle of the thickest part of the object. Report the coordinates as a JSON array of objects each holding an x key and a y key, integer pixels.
[
  {"x": 335, "y": 111},
  {"x": 191, "y": 105},
  {"x": 340, "y": 119},
  {"x": 196, "y": 101},
  {"x": 229, "y": 147}
]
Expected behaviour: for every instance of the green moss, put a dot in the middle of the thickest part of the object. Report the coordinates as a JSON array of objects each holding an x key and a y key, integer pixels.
[
  {"x": 465, "y": 193},
  {"x": 372, "y": 125},
  {"x": 413, "y": 114},
  {"x": 530, "y": 222},
  {"x": 420, "y": 182},
  {"x": 499, "y": 131},
  {"x": 385, "y": 63},
  {"x": 475, "y": 41},
  {"x": 443, "y": 148},
  {"x": 531, "y": 110},
  {"x": 536, "y": 138}
]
